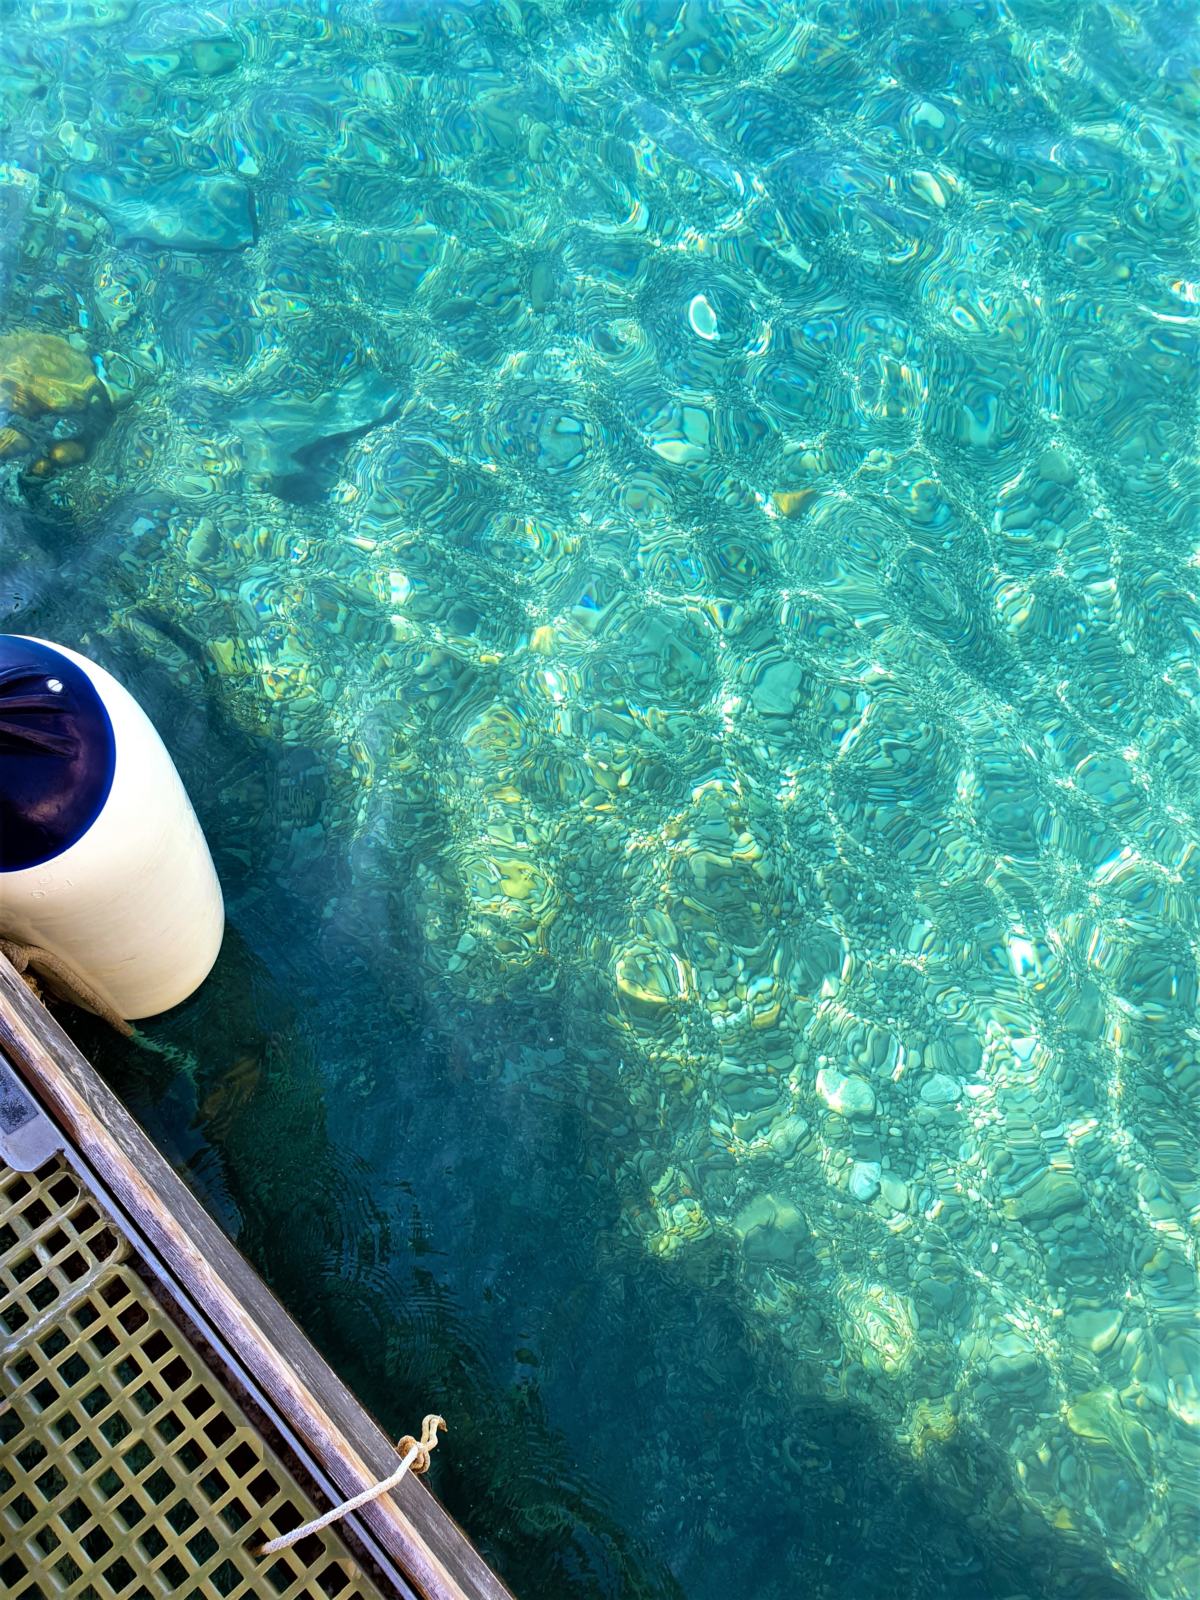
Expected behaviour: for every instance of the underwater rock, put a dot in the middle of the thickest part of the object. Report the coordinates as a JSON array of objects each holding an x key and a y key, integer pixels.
[
  {"x": 864, "y": 1180},
  {"x": 40, "y": 372},
  {"x": 894, "y": 1192},
  {"x": 212, "y": 58},
  {"x": 69, "y": 15},
  {"x": 188, "y": 211},
  {"x": 14, "y": 443},
  {"x": 772, "y": 1231},
  {"x": 53, "y": 388},
  {"x": 1095, "y": 1329},
  {"x": 787, "y": 1135},
  {"x": 648, "y": 976},
  {"x": 677, "y": 138},
  {"x": 68, "y": 452},
  {"x": 511, "y": 897},
  {"x": 290, "y": 434},
  {"x": 674, "y": 1218},
  {"x": 939, "y": 1089},
  {"x": 878, "y": 1327},
  {"x": 1050, "y": 1194},
  {"x": 848, "y": 1096},
  {"x": 792, "y": 502},
  {"x": 207, "y": 57}
]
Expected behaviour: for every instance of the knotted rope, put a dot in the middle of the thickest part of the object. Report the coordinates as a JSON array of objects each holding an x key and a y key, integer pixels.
[{"x": 416, "y": 1457}]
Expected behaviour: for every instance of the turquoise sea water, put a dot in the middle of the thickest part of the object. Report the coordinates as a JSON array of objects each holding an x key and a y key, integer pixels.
[{"x": 663, "y": 538}]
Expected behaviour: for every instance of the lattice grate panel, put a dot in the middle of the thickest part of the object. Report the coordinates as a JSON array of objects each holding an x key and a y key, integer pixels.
[
  {"x": 52, "y": 1239},
  {"x": 127, "y": 1469}
]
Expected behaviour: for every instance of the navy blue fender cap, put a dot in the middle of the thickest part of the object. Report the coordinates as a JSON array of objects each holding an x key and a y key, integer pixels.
[{"x": 57, "y": 753}]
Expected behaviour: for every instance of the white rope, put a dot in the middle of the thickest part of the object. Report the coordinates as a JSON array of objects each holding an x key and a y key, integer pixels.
[{"x": 417, "y": 1457}]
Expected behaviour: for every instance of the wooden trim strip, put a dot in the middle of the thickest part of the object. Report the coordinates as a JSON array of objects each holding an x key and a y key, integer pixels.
[{"x": 312, "y": 1401}]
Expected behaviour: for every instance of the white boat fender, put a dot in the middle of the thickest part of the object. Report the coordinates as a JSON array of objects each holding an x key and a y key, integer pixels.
[{"x": 104, "y": 872}]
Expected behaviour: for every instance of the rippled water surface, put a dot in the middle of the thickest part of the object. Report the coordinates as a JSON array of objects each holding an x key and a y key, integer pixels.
[{"x": 663, "y": 539}]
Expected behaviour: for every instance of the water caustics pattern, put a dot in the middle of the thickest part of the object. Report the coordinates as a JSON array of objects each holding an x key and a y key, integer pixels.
[{"x": 714, "y": 488}]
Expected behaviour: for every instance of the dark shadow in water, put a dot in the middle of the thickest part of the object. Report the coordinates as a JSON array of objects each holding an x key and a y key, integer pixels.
[
  {"x": 448, "y": 1242},
  {"x": 744, "y": 1489}
]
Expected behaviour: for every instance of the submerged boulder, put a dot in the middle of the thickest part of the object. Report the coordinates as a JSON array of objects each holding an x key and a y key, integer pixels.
[
  {"x": 53, "y": 407},
  {"x": 290, "y": 435},
  {"x": 186, "y": 211},
  {"x": 41, "y": 372}
]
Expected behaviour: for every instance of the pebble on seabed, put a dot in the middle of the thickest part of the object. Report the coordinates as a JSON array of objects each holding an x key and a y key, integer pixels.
[{"x": 848, "y": 1095}]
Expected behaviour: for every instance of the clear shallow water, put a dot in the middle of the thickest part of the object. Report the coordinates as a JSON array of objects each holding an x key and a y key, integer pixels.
[{"x": 664, "y": 542}]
